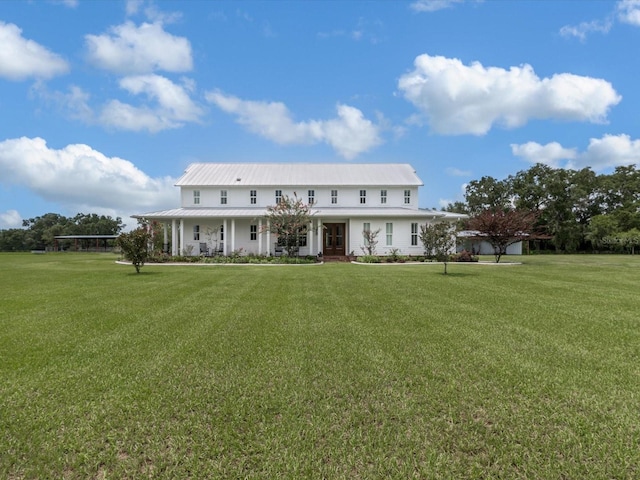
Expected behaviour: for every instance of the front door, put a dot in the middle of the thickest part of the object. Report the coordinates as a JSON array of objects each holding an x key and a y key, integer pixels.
[{"x": 334, "y": 239}]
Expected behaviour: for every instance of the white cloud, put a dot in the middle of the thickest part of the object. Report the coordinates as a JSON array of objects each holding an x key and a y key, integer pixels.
[
  {"x": 83, "y": 179},
  {"x": 128, "y": 49},
  {"x": 456, "y": 172},
  {"x": 349, "y": 133},
  {"x": 629, "y": 12},
  {"x": 10, "y": 219},
  {"x": 460, "y": 99},
  {"x": 552, "y": 154},
  {"x": 602, "y": 153},
  {"x": 21, "y": 58},
  {"x": 173, "y": 106},
  {"x": 432, "y": 5},
  {"x": 583, "y": 29}
]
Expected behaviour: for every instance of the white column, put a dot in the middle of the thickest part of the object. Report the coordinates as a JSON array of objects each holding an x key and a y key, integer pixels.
[
  {"x": 181, "y": 246},
  {"x": 320, "y": 239},
  {"x": 259, "y": 236},
  {"x": 233, "y": 234},
  {"x": 268, "y": 237},
  {"x": 224, "y": 242},
  {"x": 165, "y": 241},
  {"x": 174, "y": 238}
]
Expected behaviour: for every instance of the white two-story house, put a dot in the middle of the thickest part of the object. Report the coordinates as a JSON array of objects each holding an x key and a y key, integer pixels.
[{"x": 224, "y": 208}]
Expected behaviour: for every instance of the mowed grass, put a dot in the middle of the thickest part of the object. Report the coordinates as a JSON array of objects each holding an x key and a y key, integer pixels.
[{"x": 331, "y": 371}]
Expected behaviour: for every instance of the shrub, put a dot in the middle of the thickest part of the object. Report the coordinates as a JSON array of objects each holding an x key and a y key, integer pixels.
[{"x": 464, "y": 256}]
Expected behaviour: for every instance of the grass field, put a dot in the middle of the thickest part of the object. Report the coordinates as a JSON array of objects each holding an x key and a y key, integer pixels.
[{"x": 330, "y": 371}]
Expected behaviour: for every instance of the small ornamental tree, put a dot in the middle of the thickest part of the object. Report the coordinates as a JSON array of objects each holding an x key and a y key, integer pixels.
[
  {"x": 135, "y": 246},
  {"x": 438, "y": 239},
  {"x": 289, "y": 220},
  {"x": 502, "y": 228},
  {"x": 370, "y": 238}
]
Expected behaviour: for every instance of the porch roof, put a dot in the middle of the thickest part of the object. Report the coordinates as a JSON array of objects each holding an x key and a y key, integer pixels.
[{"x": 325, "y": 212}]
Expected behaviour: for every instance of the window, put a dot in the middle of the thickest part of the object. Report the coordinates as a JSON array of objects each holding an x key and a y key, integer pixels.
[
  {"x": 407, "y": 196},
  {"x": 196, "y": 232},
  {"x": 253, "y": 232},
  {"x": 221, "y": 233},
  {"x": 278, "y": 196},
  {"x": 366, "y": 230},
  {"x": 253, "y": 197},
  {"x": 302, "y": 238},
  {"x": 389, "y": 233},
  {"x": 223, "y": 197},
  {"x": 363, "y": 196},
  {"x": 196, "y": 197},
  {"x": 383, "y": 196},
  {"x": 414, "y": 234},
  {"x": 312, "y": 196},
  {"x": 334, "y": 196}
]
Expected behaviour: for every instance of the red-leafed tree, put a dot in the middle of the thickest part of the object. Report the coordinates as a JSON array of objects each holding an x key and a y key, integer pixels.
[
  {"x": 503, "y": 227},
  {"x": 289, "y": 220}
]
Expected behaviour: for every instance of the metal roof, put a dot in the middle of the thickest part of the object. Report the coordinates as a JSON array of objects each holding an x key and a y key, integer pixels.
[
  {"x": 299, "y": 174},
  {"x": 328, "y": 212}
]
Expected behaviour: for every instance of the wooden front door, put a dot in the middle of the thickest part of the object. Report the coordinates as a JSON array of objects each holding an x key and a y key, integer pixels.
[{"x": 334, "y": 239}]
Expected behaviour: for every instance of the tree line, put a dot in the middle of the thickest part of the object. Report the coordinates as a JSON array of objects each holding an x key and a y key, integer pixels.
[
  {"x": 576, "y": 210},
  {"x": 39, "y": 233}
]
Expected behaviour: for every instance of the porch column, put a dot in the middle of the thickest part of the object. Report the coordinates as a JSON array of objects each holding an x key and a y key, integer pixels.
[
  {"x": 233, "y": 234},
  {"x": 320, "y": 244},
  {"x": 181, "y": 236},
  {"x": 174, "y": 238},
  {"x": 224, "y": 241},
  {"x": 165, "y": 243},
  {"x": 268, "y": 237},
  {"x": 259, "y": 236}
]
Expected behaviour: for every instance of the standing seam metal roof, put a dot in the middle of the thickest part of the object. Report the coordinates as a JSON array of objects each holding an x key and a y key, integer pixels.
[{"x": 299, "y": 174}]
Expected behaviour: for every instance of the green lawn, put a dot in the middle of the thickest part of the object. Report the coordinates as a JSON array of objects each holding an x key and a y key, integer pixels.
[{"x": 330, "y": 371}]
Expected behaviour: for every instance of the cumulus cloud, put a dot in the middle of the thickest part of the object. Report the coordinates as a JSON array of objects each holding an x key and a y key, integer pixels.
[
  {"x": 432, "y": 5},
  {"x": 129, "y": 49},
  {"x": 10, "y": 219},
  {"x": 172, "y": 105},
  {"x": 552, "y": 154},
  {"x": 469, "y": 99},
  {"x": 83, "y": 179},
  {"x": 21, "y": 58},
  {"x": 629, "y": 12},
  {"x": 349, "y": 133},
  {"x": 602, "y": 153}
]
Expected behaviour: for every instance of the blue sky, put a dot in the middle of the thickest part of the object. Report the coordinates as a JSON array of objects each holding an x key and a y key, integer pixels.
[{"x": 103, "y": 104}]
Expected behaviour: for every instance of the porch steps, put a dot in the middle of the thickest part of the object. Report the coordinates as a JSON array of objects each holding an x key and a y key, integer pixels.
[{"x": 336, "y": 258}]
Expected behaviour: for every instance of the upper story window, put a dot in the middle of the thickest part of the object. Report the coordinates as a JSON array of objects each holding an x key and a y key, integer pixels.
[
  {"x": 389, "y": 231},
  {"x": 196, "y": 232},
  {"x": 253, "y": 232},
  {"x": 407, "y": 196},
  {"x": 253, "y": 197},
  {"x": 196, "y": 197},
  {"x": 334, "y": 196},
  {"x": 383, "y": 196},
  {"x": 363, "y": 196},
  {"x": 278, "y": 196},
  {"x": 312, "y": 196},
  {"x": 223, "y": 197},
  {"x": 414, "y": 234}
]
